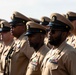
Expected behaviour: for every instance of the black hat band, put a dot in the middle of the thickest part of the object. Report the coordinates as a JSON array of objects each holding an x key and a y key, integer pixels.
[
  {"x": 44, "y": 23},
  {"x": 4, "y": 29},
  {"x": 36, "y": 30},
  {"x": 16, "y": 21},
  {"x": 61, "y": 26},
  {"x": 71, "y": 18}
]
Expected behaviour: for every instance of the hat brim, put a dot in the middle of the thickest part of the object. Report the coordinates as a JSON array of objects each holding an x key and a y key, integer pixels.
[
  {"x": 4, "y": 29},
  {"x": 13, "y": 23},
  {"x": 28, "y": 33}
]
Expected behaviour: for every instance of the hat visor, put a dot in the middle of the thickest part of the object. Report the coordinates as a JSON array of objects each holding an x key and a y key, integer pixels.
[
  {"x": 13, "y": 23},
  {"x": 28, "y": 33}
]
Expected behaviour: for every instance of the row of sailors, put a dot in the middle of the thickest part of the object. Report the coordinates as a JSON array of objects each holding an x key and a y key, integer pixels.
[{"x": 24, "y": 44}]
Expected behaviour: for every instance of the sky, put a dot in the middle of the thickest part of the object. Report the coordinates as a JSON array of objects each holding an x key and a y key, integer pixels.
[{"x": 35, "y": 8}]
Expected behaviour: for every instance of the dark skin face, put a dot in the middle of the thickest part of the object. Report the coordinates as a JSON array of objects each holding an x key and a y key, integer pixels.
[
  {"x": 36, "y": 40},
  {"x": 56, "y": 37},
  {"x": 18, "y": 30}
]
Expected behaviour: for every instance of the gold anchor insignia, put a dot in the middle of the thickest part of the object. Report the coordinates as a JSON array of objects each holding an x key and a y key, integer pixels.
[
  {"x": 42, "y": 20},
  {"x": 53, "y": 18},
  {"x": 67, "y": 16}
]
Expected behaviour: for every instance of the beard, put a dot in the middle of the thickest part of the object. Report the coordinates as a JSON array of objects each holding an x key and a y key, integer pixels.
[{"x": 55, "y": 41}]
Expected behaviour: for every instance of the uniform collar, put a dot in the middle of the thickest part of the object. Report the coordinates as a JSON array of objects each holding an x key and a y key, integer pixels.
[
  {"x": 21, "y": 36},
  {"x": 40, "y": 51},
  {"x": 60, "y": 48}
]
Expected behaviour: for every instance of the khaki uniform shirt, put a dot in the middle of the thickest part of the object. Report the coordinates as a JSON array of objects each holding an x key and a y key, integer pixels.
[
  {"x": 36, "y": 60},
  {"x": 60, "y": 61},
  {"x": 72, "y": 41},
  {"x": 1, "y": 47},
  {"x": 21, "y": 56},
  {"x": 1, "y": 50},
  {"x": 3, "y": 56}
]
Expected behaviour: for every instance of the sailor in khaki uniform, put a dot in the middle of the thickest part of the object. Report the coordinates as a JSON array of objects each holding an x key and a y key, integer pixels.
[
  {"x": 45, "y": 21},
  {"x": 36, "y": 34},
  {"x": 22, "y": 51},
  {"x": 60, "y": 60},
  {"x": 1, "y": 46},
  {"x": 72, "y": 38},
  {"x": 7, "y": 38},
  {"x": 1, "y": 42}
]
